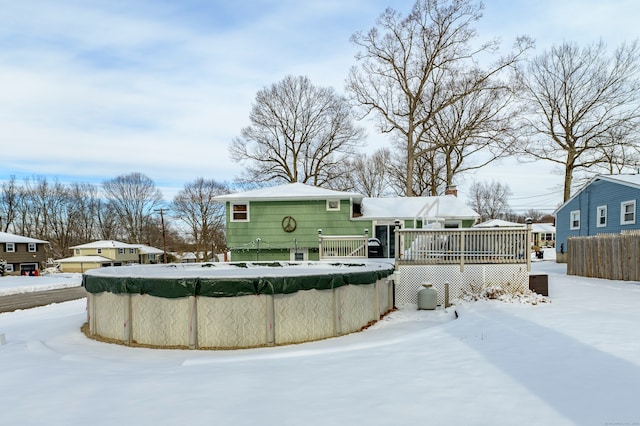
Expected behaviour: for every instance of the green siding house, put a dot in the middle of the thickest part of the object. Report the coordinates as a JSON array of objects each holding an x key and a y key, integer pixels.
[{"x": 282, "y": 222}]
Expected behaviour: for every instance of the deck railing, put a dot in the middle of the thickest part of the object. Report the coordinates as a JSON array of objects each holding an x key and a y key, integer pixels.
[
  {"x": 463, "y": 246},
  {"x": 343, "y": 247}
]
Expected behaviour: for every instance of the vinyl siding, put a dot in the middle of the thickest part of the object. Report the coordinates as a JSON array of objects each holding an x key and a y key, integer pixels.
[
  {"x": 111, "y": 253},
  {"x": 598, "y": 193},
  {"x": 310, "y": 215}
]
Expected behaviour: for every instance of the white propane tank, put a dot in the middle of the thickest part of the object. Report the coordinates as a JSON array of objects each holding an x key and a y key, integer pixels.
[{"x": 427, "y": 297}]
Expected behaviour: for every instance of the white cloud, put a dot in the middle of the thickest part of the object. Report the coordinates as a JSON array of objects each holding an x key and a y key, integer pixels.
[{"x": 97, "y": 89}]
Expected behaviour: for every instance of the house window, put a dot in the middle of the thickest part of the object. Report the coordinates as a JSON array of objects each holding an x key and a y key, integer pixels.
[
  {"x": 602, "y": 216},
  {"x": 10, "y": 248},
  {"x": 8, "y": 267},
  {"x": 77, "y": 251},
  {"x": 132, "y": 251},
  {"x": 32, "y": 248},
  {"x": 333, "y": 205},
  {"x": 628, "y": 212},
  {"x": 120, "y": 251},
  {"x": 357, "y": 209},
  {"x": 99, "y": 251},
  {"x": 575, "y": 219},
  {"x": 239, "y": 212}
]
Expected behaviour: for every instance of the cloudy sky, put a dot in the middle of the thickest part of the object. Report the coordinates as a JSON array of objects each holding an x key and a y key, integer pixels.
[{"x": 90, "y": 90}]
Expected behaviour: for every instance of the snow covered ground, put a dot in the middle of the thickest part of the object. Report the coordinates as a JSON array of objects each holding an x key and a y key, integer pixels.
[
  {"x": 12, "y": 284},
  {"x": 572, "y": 361}
]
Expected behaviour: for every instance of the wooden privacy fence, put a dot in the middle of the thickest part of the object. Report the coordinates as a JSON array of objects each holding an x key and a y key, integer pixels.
[{"x": 610, "y": 256}]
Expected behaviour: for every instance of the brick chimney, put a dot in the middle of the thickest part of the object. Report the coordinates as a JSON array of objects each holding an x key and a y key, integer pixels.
[{"x": 451, "y": 190}]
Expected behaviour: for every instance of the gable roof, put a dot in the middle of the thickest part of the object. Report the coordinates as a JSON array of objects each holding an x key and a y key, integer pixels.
[
  {"x": 147, "y": 249},
  {"x": 84, "y": 259},
  {"x": 445, "y": 206},
  {"x": 498, "y": 223},
  {"x": 626, "y": 179},
  {"x": 543, "y": 227},
  {"x": 6, "y": 237},
  {"x": 630, "y": 180},
  {"x": 104, "y": 244},
  {"x": 290, "y": 191}
]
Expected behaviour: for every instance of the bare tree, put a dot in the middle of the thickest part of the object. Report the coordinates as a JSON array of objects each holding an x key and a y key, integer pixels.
[
  {"x": 194, "y": 205},
  {"x": 298, "y": 133},
  {"x": 412, "y": 68},
  {"x": 428, "y": 173},
  {"x": 108, "y": 228},
  {"x": 133, "y": 199},
  {"x": 60, "y": 217},
  {"x": 368, "y": 174},
  {"x": 9, "y": 199},
  {"x": 45, "y": 211},
  {"x": 489, "y": 200},
  {"x": 473, "y": 131},
  {"x": 38, "y": 204},
  {"x": 536, "y": 216},
  {"x": 578, "y": 98},
  {"x": 86, "y": 204},
  {"x": 622, "y": 153},
  {"x": 67, "y": 215}
]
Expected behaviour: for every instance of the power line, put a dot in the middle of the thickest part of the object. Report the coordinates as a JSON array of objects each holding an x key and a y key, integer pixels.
[{"x": 535, "y": 196}]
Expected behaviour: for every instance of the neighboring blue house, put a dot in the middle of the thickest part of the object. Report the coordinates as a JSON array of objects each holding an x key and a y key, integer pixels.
[{"x": 607, "y": 204}]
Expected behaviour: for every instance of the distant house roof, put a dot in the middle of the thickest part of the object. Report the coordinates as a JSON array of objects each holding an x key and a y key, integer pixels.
[
  {"x": 6, "y": 237},
  {"x": 291, "y": 191},
  {"x": 147, "y": 249},
  {"x": 84, "y": 259},
  {"x": 631, "y": 180},
  {"x": 498, "y": 223},
  {"x": 445, "y": 206},
  {"x": 104, "y": 244},
  {"x": 543, "y": 227}
]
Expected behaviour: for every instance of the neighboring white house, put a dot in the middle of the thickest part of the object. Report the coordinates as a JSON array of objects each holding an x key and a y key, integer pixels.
[{"x": 542, "y": 234}]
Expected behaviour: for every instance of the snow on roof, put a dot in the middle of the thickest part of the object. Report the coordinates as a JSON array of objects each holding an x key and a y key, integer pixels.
[
  {"x": 543, "y": 227},
  {"x": 6, "y": 237},
  {"x": 105, "y": 244},
  {"x": 632, "y": 180},
  {"x": 446, "y": 206},
  {"x": 297, "y": 191},
  {"x": 84, "y": 259},
  {"x": 147, "y": 249},
  {"x": 498, "y": 223}
]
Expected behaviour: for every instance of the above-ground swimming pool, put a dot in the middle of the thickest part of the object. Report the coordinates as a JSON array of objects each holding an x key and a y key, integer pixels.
[{"x": 235, "y": 305}]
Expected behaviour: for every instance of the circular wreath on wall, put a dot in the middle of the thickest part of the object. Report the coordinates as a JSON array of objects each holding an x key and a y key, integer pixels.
[{"x": 289, "y": 224}]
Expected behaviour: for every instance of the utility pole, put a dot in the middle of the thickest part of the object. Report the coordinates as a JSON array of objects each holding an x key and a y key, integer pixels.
[{"x": 164, "y": 237}]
